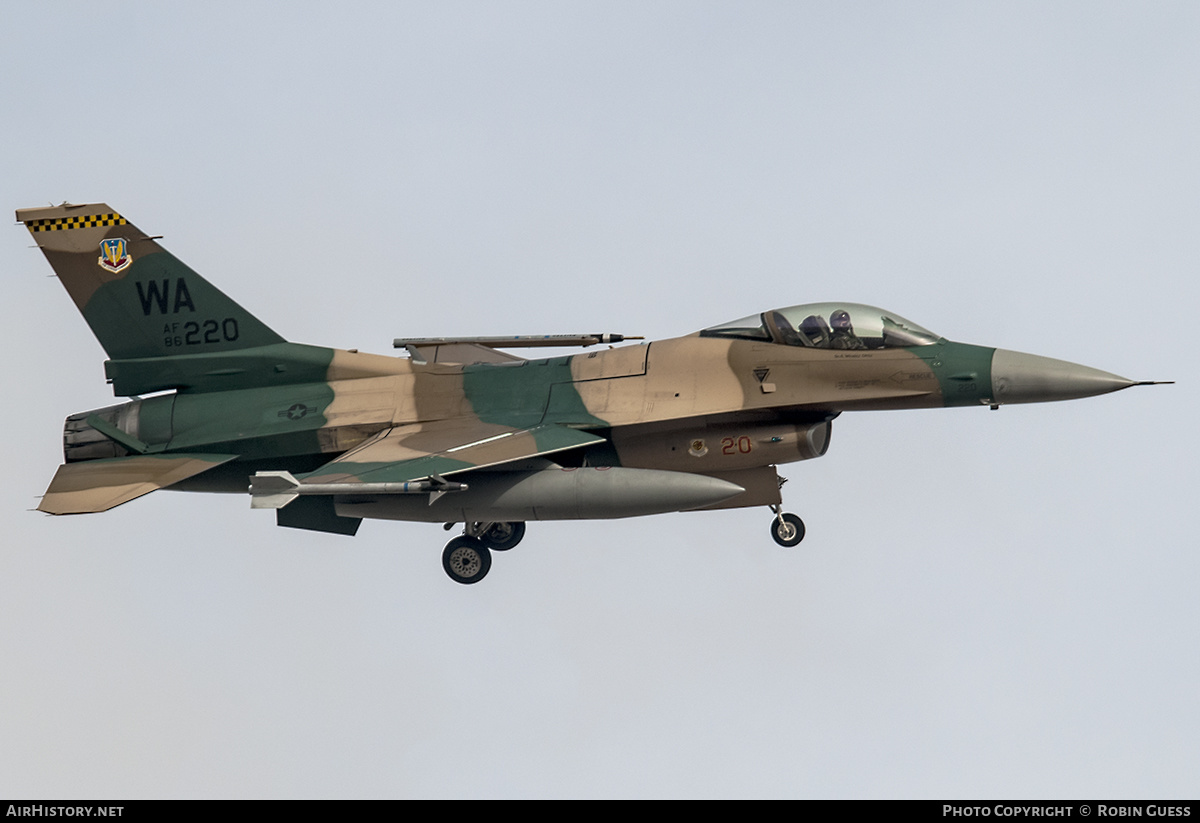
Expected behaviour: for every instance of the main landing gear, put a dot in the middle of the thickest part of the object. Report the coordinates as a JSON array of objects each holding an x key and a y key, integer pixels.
[
  {"x": 467, "y": 559},
  {"x": 787, "y": 529}
]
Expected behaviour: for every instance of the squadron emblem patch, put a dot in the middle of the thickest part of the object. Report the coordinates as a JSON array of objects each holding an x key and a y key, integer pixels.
[
  {"x": 114, "y": 254},
  {"x": 698, "y": 449}
]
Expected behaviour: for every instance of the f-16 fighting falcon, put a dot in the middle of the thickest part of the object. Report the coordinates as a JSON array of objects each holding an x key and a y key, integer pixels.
[{"x": 462, "y": 431}]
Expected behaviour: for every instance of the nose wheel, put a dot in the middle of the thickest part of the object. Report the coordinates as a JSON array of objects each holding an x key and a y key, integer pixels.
[{"x": 787, "y": 529}]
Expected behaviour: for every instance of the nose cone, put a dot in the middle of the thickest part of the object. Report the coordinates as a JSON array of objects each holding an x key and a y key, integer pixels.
[{"x": 1028, "y": 378}]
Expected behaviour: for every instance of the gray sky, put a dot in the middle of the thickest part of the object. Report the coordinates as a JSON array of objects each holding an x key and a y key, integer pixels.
[{"x": 987, "y": 604}]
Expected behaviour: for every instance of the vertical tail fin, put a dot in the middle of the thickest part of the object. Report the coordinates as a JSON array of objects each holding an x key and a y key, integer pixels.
[{"x": 138, "y": 298}]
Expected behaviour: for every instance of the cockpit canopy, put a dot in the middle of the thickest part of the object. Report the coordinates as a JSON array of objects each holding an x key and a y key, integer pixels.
[{"x": 828, "y": 326}]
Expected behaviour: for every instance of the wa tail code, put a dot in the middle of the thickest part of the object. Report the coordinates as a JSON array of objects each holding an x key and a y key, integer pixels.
[{"x": 158, "y": 293}]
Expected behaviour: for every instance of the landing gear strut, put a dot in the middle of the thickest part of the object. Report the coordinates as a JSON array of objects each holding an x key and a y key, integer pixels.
[
  {"x": 787, "y": 529},
  {"x": 468, "y": 558}
]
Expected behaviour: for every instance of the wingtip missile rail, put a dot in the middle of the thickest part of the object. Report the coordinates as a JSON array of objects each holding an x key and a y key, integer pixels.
[{"x": 518, "y": 341}]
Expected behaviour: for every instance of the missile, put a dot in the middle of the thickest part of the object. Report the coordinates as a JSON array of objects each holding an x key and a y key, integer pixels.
[
  {"x": 275, "y": 489},
  {"x": 517, "y": 341}
]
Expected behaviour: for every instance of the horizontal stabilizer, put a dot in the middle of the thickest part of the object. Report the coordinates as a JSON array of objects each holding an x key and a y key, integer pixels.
[{"x": 99, "y": 485}]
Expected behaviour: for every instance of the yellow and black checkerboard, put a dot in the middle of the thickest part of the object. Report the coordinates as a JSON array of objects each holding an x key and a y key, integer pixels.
[{"x": 81, "y": 222}]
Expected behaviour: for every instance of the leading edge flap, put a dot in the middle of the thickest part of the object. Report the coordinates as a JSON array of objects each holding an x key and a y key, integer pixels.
[{"x": 446, "y": 447}]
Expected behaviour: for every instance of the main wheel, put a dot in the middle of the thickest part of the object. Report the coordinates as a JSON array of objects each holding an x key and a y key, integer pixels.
[
  {"x": 787, "y": 529},
  {"x": 502, "y": 536},
  {"x": 466, "y": 560}
]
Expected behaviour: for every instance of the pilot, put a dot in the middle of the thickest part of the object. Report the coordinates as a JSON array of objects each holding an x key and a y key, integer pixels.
[{"x": 843, "y": 336}]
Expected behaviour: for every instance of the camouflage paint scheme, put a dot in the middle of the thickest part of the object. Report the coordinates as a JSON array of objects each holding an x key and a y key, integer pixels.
[{"x": 242, "y": 399}]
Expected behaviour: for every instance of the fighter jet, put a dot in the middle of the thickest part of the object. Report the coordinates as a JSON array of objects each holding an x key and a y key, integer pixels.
[{"x": 463, "y": 432}]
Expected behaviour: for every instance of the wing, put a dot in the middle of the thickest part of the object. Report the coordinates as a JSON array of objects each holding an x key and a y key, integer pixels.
[
  {"x": 422, "y": 450},
  {"x": 99, "y": 485}
]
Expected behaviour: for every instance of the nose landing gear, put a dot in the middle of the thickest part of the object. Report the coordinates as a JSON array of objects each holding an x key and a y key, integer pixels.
[{"x": 787, "y": 529}]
